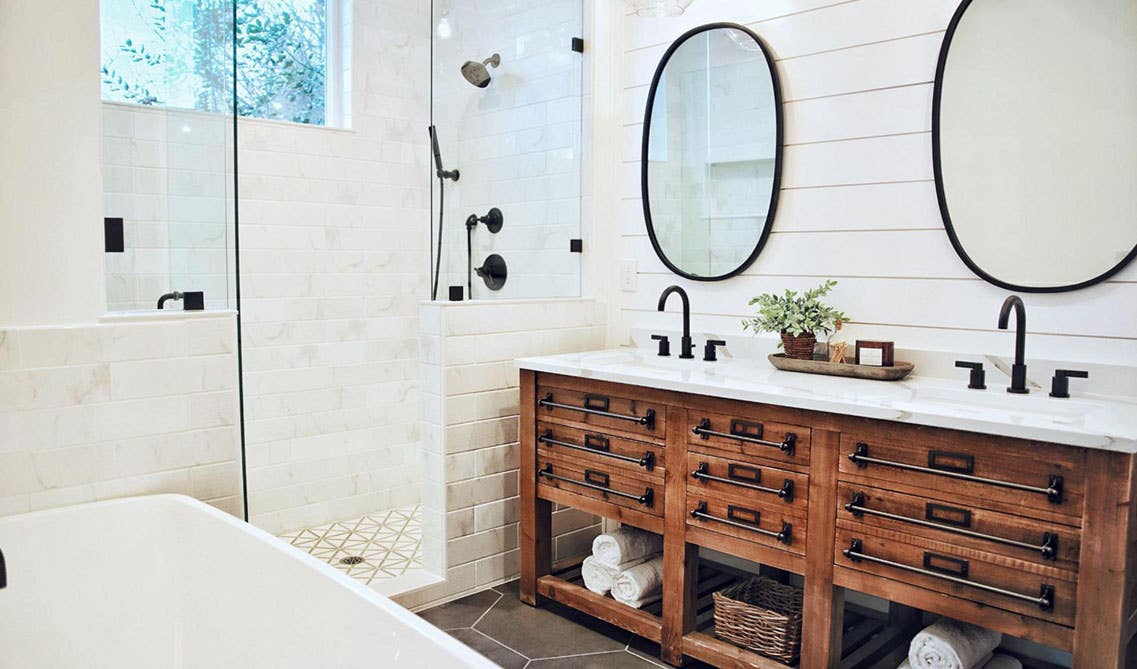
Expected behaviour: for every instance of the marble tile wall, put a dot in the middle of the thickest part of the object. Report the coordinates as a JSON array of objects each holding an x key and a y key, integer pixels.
[
  {"x": 117, "y": 409},
  {"x": 470, "y": 434},
  {"x": 333, "y": 261}
]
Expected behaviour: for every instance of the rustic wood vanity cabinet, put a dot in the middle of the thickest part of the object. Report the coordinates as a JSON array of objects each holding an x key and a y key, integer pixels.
[{"x": 1031, "y": 539}]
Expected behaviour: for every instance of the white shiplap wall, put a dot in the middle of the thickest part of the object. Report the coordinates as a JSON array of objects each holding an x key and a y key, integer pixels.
[{"x": 858, "y": 201}]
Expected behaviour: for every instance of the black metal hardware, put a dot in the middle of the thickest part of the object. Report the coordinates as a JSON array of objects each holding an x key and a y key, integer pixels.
[
  {"x": 786, "y": 492},
  {"x": 647, "y": 420},
  {"x": 457, "y": 293},
  {"x": 709, "y": 350},
  {"x": 597, "y": 478},
  {"x": 1018, "y": 369},
  {"x": 3, "y": 572},
  {"x": 193, "y": 300},
  {"x": 1053, "y": 490},
  {"x": 743, "y": 428},
  {"x": 742, "y": 514},
  {"x": 647, "y": 499},
  {"x": 597, "y": 402},
  {"x": 1044, "y": 600},
  {"x": 664, "y": 344},
  {"x": 599, "y": 445},
  {"x": 785, "y": 536},
  {"x": 576, "y": 246},
  {"x": 787, "y": 445},
  {"x": 978, "y": 376},
  {"x": 1048, "y": 548},
  {"x": 113, "y": 237},
  {"x": 1060, "y": 385},
  {"x": 947, "y": 515},
  {"x": 685, "y": 344},
  {"x": 946, "y": 461},
  {"x": 578, "y": 45},
  {"x": 748, "y": 473},
  {"x": 944, "y": 564},
  {"x": 493, "y": 272}
]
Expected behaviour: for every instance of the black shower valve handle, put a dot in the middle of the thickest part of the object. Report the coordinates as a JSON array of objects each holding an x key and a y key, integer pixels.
[
  {"x": 664, "y": 344},
  {"x": 978, "y": 375}
]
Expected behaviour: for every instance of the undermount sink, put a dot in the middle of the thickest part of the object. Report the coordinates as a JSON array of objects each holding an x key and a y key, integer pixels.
[{"x": 995, "y": 399}]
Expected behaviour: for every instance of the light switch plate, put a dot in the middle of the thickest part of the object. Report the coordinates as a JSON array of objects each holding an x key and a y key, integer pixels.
[{"x": 628, "y": 275}]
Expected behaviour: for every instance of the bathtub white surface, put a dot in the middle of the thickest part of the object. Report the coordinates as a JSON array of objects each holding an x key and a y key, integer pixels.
[{"x": 166, "y": 581}]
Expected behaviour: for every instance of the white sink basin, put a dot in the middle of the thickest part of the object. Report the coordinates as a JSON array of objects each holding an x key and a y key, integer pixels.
[{"x": 1037, "y": 403}]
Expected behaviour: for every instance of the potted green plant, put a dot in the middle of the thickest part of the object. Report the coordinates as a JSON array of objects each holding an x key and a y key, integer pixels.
[{"x": 797, "y": 318}]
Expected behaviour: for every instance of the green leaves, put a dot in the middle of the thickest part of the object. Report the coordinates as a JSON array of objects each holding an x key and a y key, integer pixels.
[{"x": 795, "y": 314}]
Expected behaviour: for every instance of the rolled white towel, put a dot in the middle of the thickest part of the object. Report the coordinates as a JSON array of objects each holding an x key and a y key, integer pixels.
[
  {"x": 640, "y": 585},
  {"x": 625, "y": 544},
  {"x": 599, "y": 577},
  {"x": 950, "y": 644},
  {"x": 1003, "y": 662}
]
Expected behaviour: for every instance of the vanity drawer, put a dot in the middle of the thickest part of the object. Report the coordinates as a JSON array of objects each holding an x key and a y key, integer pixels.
[
  {"x": 748, "y": 437},
  {"x": 617, "y": 487},
  {"x": 1025, "y": 478},
  {"x": 710, "y": 475},
  {"x": 603, "y": 450},
  {"x": 747, "y": 519},
  {"x": 1012, "y": 585},
  {"x": 964, "y": 525},
  {"x": 621, "y": 412}
]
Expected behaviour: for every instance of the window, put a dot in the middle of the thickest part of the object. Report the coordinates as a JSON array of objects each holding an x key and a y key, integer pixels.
[{"x": 179, "y": 53}]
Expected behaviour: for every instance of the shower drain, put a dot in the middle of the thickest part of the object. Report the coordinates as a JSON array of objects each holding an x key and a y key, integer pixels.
[{"x": 351, "y": 559}]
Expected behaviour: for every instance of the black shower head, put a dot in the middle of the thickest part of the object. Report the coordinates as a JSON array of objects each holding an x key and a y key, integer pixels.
[{"x": 477, "y": 73}]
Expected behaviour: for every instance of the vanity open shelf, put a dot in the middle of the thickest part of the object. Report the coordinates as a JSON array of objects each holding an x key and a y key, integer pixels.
[{"x": 1020, "y": 535}]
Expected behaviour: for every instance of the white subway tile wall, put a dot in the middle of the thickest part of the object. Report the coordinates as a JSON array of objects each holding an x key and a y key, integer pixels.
[
  {"x": 333, "y": 260},
  {"x": 111, "y": 410},
  {"x": 858, "y": 201},
  {"x": 470, "y": 434}
]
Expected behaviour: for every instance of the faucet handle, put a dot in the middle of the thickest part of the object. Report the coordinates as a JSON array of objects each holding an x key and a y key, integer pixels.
[
  {"x": 709, "y": 349},
  {"x": 1060, "y": 385},
  {"x": 664, "y": 344},
  {"x": 978, "y": 375}
]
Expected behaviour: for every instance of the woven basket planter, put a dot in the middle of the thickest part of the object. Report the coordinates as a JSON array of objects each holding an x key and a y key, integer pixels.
[
  {"x": 800, "y": 347},
  {"x": 761, "y": 615}
]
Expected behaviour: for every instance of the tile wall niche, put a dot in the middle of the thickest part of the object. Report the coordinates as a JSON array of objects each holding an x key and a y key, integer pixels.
[
  {"x": 470, "y": 434},
  {"x": 333, "y": 261},
  {"x": 858, "y": 201},
  {"x": 116, "y": 409}
]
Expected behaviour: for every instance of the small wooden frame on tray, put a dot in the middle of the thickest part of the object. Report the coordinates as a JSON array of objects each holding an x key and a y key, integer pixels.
[{"x": 898, "y": 371}]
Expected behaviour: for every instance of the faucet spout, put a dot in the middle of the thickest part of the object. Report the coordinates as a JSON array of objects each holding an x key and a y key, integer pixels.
[
  {"x": 1018, "y": 369},
  {"x": 687, "y": 345}
]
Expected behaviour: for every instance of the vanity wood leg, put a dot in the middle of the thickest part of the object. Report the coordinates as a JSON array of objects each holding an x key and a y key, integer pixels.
[
  {"x": 823, "y": 604},
  {"x": 680, "y": 559},
  {"x": 536, "y": 531},
  {"x": 1102, "y": 630}
]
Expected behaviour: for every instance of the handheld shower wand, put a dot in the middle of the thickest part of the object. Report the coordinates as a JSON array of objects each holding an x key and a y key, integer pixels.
[{"x": 442, "y": 175}]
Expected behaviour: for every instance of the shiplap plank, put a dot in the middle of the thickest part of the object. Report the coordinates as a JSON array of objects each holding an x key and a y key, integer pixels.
[{"x": 900, "y": 62}]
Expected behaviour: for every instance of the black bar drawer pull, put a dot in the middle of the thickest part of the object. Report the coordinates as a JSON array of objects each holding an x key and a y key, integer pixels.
[
  {"x": 599, "y": 446},
  {"x": 597, "y": 405},
  {"x": 647, "y": 499},
  {"x": 786, "y": 536},
  {"x": 1048, "y": 548},
  {"x": 1044, "y": 600},
  {"x": 745, "y": 432},
  {"x": 786, "y": 492},
  {"x": 1053, "y": 490}
]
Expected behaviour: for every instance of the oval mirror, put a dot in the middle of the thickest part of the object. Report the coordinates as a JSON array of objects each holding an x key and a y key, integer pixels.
[
  {"x": 1035, "y": 141},
  {"x": 712, "y": 152}
]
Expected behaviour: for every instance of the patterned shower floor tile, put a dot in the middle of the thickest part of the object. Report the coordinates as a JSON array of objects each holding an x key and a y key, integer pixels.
[{"x": 370, "y": 548}]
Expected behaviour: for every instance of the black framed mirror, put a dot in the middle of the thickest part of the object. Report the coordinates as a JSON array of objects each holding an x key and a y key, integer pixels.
[
  {"x": 711, "y": 155},
  {"x": 1034, "y": 144}
]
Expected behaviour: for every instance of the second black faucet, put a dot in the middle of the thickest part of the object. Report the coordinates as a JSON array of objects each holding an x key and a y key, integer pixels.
[{"x": 687, "y": 346}]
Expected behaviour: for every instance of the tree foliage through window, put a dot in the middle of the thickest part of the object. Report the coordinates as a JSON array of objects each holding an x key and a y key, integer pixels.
[{"x": 179, "y": 53}]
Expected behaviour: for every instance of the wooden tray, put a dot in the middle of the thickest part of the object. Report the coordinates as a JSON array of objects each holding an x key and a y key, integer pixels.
[{"x": 895, "y": 373}]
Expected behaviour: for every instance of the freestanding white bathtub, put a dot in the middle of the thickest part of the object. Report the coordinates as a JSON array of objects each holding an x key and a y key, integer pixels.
[{"x": 167, "y": 581}]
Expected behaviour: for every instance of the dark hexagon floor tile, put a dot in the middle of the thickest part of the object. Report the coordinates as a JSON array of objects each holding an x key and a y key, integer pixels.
[
  {"x": 490, "y": 649},
  {"x": 551, "y": 630},
  {"x": 461, "y": 612},
  {"x": 615, "y": 660}
]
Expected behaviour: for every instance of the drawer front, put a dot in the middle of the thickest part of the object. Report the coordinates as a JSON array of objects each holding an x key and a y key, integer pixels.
[
  {"x": 779, "y": 488},
  {"x": 603, "y": 411},
  {"x": 603, "y": 450},
  {"x": 747, "y": 519},
  {"x": 749, "y": 438},
  {"x": 1048, "y": 594},
  {"x": 604, "y": 483},
  {"x": 1025, "y": 478},
  {"x": 965, "y": 525}
]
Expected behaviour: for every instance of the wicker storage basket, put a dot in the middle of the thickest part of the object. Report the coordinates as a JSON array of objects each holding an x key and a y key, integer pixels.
[
  {"x": 761, "y": 615},
  {"x": 800, "y": 347}
]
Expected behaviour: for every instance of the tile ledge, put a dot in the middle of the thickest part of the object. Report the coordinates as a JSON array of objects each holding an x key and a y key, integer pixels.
[{"x": 163, "y": 316}]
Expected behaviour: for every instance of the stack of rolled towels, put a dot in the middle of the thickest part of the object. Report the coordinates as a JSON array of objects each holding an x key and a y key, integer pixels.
[
  {"x": 950, "y": 644},
  {"x": 627, "y": 563}
]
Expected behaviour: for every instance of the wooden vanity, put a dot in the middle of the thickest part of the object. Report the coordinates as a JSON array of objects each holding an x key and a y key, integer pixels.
[{"x": 1032, "y": 539}]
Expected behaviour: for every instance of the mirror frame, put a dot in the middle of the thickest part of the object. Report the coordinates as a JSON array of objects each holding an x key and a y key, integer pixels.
[
  {"x": 776, "y": 186},
  {"x": 941, "y": 196}
]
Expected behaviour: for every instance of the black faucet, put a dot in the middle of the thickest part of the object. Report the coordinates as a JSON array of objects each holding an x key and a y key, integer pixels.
[
  {"x": 686, "y": 345},
  {"x": 3, "y": 572},
  {"x": 1018, "y": 370}
]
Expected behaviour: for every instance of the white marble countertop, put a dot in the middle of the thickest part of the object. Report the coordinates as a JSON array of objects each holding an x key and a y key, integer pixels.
[{"x": 1089, "y": 421}]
